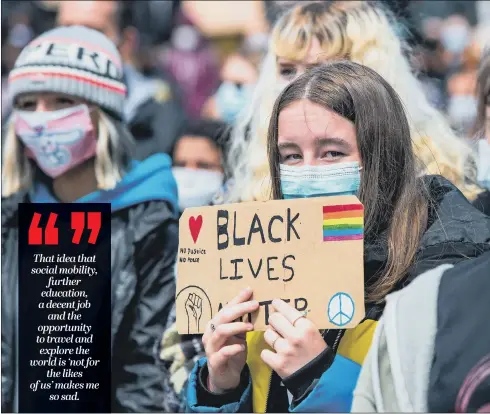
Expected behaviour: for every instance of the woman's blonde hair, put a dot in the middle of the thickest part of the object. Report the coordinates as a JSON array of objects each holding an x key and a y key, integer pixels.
[
  {"x": 114, "y": 144},
  {"x": 365, "y": 34}
]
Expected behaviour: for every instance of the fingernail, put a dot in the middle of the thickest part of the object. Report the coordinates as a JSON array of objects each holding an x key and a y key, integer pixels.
[
  {"x": 250, "y": 327},
  {"x": 247, "y": 289},
  {"x": 255, "y": 303}
]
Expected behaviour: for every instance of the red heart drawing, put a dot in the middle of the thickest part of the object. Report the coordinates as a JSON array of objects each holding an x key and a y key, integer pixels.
[{"x": 195, "y": 225}]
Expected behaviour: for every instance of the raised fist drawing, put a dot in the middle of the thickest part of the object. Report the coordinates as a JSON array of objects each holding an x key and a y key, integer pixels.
[{"x": 193, "y": 307}]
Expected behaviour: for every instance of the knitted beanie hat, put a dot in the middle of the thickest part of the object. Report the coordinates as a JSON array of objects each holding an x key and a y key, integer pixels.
[{"x": 73, "y": 60}]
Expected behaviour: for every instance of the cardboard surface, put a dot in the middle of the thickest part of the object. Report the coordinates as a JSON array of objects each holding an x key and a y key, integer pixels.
[{"x": 305, "y": 251}]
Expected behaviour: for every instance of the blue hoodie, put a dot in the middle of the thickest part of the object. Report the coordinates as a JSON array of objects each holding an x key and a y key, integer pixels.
[{"x": 147, "y": 180}]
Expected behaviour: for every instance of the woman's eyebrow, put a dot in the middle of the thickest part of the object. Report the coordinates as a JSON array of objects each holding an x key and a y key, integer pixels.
[
  {"x": 332, "y": 141},
  {"x": 287, "y": 145}
]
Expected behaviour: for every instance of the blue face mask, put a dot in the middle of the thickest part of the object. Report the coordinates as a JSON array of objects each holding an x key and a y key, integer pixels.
[
  {"x": 231, "y": 99},
  {"x": 321, "y": 180}
]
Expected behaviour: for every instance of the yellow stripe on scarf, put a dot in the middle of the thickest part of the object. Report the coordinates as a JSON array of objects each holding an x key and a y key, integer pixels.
[
  {"x": 260, "y": 372},
  {"x": 355, "y": 343}
]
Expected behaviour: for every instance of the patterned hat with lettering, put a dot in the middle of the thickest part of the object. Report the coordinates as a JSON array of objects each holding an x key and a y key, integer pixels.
[{"x": 73, "y": 60}]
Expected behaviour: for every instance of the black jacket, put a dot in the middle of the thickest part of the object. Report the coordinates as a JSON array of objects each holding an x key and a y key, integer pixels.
[
  {"x": 460, "y": 374},
  {"x": 153, "y": 113},
  {"x": 482, "y": 202},
  {"x": 144, "y": 241}
]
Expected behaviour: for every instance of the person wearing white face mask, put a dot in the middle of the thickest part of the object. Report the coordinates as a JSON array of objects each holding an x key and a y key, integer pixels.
[
  {"x": 198, "y": 170},
  {"x": 462, "y": 104},
  {"x": 198, "y": 163},
  {"x": 66, "y": 143}
]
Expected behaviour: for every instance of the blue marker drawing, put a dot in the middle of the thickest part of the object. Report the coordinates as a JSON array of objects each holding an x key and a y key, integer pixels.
[{"x": 341, "y": 309}]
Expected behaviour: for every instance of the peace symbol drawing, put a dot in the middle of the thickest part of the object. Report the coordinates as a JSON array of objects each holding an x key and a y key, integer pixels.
[{"x": 341, "y": 309}]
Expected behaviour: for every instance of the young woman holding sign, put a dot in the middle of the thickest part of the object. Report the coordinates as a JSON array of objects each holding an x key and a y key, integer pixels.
[{"x": 337, "y": 129}]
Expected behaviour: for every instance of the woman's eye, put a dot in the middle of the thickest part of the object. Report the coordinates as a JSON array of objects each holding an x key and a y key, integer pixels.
[
  {"x": 287, "y": 72},
  {"x": 332, "y": 155},
  {"x": 64, "y": 102},
  {"x": 291, "y": 158},
  {"x": 26, "y": 105}
]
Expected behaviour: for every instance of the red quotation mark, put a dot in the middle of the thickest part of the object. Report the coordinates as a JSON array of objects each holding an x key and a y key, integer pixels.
[
  {"x": 35, "y": 235},
  {"x": 94, "y": 222}
]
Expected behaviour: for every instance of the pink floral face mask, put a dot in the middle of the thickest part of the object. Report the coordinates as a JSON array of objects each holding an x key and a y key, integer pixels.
[{"x": 57, "y": 140}]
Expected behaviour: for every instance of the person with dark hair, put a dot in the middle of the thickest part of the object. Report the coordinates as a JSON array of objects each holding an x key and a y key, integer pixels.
[
  {"x": 198, "y": 169},
  {"x": 154, "y": 115},
  {"x": 336, "y": 129},
  {"x": 198, "y": 162}
]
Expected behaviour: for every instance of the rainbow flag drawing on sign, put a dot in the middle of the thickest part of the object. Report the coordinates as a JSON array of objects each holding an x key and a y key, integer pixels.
[{"x": 343, "y": 222}]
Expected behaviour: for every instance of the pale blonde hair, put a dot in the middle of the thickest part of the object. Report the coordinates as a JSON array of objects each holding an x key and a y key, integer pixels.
[
  {"x": 365, "y": 34},
  {"x": 112, "y": 151}
]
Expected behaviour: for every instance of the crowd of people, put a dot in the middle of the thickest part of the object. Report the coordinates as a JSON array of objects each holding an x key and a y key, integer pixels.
[{"x": 128, "y": 103}]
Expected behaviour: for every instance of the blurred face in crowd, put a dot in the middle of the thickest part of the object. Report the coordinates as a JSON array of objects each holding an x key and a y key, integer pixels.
[
  {"x": 310, "y": 134},
  {"x": 289, "y": 69},
  {"x": 197, "y": 170},
  {"x": 239, "y": 70},
  {"x": 431, "y": 28},
  {"x": 197, "y": 153},
  {"x": 462, "y": 103},
  {"x": 100, "y": 15},
  {"x": 238, "y": 77},
  {"x": 455, "y": 34}
]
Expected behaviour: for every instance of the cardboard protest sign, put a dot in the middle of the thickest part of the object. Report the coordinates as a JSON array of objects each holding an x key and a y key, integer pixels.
[{"x": 308, "y": 252}]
